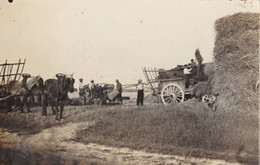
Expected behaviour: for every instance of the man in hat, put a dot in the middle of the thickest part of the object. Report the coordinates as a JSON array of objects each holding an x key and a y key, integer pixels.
[
  {"x": 119, "y": 88},
  {"x": 140, "y": 93}
]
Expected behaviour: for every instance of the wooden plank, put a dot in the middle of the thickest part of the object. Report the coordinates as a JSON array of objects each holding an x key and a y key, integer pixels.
[
  {"x": 8, "y": 75},
  {"x": 1, "y": 70},
  {"x": 3, "y": 77},
  {"x": 21, "y": 70},
  {"x": 148, "y": 79},
  {"x": 171, "y": 80},
  {"x": 12, "y": 63},
  {"x": 17, "y": 71},
  {"x": 10, "y": 71}
]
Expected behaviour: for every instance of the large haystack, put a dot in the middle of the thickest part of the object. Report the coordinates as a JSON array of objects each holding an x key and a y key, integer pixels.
[{"x": 236, "y": 55}]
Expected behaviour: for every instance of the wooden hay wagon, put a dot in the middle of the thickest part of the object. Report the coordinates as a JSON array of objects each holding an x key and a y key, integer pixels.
[
  {"x": 173, "y": 86},
  {"x": 9, "y": 72}
]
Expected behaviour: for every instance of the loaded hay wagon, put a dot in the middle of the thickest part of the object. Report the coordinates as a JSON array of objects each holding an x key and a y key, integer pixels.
[
  {"x": 12, "y": 86},
  {"x": 175, "y": 85},
  {"x": 9, "y": 72}
]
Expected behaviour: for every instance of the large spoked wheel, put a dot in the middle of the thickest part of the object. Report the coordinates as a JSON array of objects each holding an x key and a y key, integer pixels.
[{"x": 172, "y": 94}]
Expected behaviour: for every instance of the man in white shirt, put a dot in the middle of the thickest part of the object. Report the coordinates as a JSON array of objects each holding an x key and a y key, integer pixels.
[
  {"x": 91, "y": 88},
  {"x": 81, "y": 89},
  {"x": 82, "y": 94},
  {"x": 140, "y": 93}
]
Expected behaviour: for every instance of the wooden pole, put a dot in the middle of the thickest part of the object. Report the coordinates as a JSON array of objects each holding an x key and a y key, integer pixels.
[
  {"x": 22, "y": 69},
  {"x": 3, "y": 78},
  {"x": 17, "y": 69}
]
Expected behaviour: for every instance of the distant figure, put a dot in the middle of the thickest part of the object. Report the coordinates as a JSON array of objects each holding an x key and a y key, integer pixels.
[
  {"x": 199, "y": 59},
  {"x": 82, "y": 91},
  {"x": 140, "y": 93},
  {"x": 119, "y": 88},
  {"x": 91, "y": 88},
  {"x": 193, "y": 68},
  {"x": 193, "y": 63}
]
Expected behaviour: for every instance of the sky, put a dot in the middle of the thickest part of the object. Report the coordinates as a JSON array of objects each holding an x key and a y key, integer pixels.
[{"x": 106, "y": 40}]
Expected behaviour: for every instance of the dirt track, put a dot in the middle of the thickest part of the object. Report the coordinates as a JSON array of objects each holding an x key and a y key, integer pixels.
[{"x": 56, "y": 141}]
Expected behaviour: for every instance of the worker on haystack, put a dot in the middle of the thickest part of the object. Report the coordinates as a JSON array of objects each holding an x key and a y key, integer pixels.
[
  {"x": 199, "y": 60},
  {"x": 193, "y": 63},
  {"x": 119, "y": 88},
  {"x": 140, "y": 93},
  {"x": 193, "y": 67},
  {"x": 91, "y": 88}
]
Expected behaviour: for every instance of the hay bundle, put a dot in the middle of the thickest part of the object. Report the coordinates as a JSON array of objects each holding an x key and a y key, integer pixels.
[
  {"x": 237, "y": 62},
  {"x": 202, "y": 88}
]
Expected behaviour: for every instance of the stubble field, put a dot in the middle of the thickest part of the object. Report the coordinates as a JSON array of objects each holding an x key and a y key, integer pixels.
[{"x": 187, "y": 133}]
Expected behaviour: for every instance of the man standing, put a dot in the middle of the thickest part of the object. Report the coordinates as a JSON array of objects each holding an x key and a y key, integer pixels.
[
  {"x": 91, "y": 88},
  {"x": 140, "y": 93},
  {"x": 81, "y": 91},
  {"x": 199, "y": 59},
  {"x": 193, "y": 63},
  {"x": 119, "y": 88}
]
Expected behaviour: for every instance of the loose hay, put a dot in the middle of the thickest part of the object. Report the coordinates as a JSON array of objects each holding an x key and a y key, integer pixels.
[{"x": 237, "y": 62}]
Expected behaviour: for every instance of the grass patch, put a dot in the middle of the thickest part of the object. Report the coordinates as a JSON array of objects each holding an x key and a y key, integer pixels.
[
  {"x": 31, "y": 123},
  {"x": 186, "y": 129}
]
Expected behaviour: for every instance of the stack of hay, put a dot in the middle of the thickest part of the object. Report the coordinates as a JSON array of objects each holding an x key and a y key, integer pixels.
[{"x": 237, "y": 62}]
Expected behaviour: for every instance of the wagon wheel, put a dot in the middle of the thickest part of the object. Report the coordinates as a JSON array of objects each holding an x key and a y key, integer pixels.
[{"x": 172, "y": 94}]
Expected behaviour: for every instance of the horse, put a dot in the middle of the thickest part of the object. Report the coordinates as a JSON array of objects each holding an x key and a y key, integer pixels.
[
  {"x": 20, "y": 90},
  {"x": 55, "y": 93},
  {"x": 35, "y": 85}
]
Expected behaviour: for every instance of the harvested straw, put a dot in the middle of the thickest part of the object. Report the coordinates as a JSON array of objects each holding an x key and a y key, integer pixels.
[
  {"x": 202, "y": 88},
  {"x": 237, "y": 62}
]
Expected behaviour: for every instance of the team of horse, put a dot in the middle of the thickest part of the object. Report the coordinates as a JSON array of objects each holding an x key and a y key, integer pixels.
[{"x": 32, "y": 89}]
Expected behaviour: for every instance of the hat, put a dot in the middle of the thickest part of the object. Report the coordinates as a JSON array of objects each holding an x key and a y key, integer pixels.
[
  {"x": 60, "y": 75},
  {"x": 26, "y": 75},
  {"x": 81, "y": 79},
  {"x": 117, "y": 80}
]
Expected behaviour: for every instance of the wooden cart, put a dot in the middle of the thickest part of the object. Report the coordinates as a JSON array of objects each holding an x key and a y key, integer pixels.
[{"x": 171, "y": 85}]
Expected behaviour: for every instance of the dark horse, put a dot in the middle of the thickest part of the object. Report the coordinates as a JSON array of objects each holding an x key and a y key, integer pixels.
[{"x": 56, "y": 92}]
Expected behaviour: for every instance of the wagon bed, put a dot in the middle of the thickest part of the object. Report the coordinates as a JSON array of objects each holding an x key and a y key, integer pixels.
[
  {"x": 170, "y": 85},
  {"x": 9, "y": 72}
]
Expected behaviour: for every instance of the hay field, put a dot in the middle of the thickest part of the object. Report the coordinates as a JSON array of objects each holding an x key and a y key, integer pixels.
[{"x": 189, "y": 129}]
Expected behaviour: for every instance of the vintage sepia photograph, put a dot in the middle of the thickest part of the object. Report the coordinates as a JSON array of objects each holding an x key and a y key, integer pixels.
[{"x": 129, "y": 82}]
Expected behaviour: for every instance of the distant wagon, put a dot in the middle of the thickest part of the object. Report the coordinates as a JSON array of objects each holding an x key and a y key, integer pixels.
[{"x": 175, "y": 85}]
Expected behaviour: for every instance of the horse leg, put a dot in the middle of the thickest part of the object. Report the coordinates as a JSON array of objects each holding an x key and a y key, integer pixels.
[
  {"x": 28, "y": 103},
  {"x": 57, "y": 108},
  {"x": 22, "y": 103},
  {"x": 52, "y": 108},
  {"x": 44, "y": 104},
  {"x": 9, "y": 105},
  {"x": 61, "y": 108}
]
